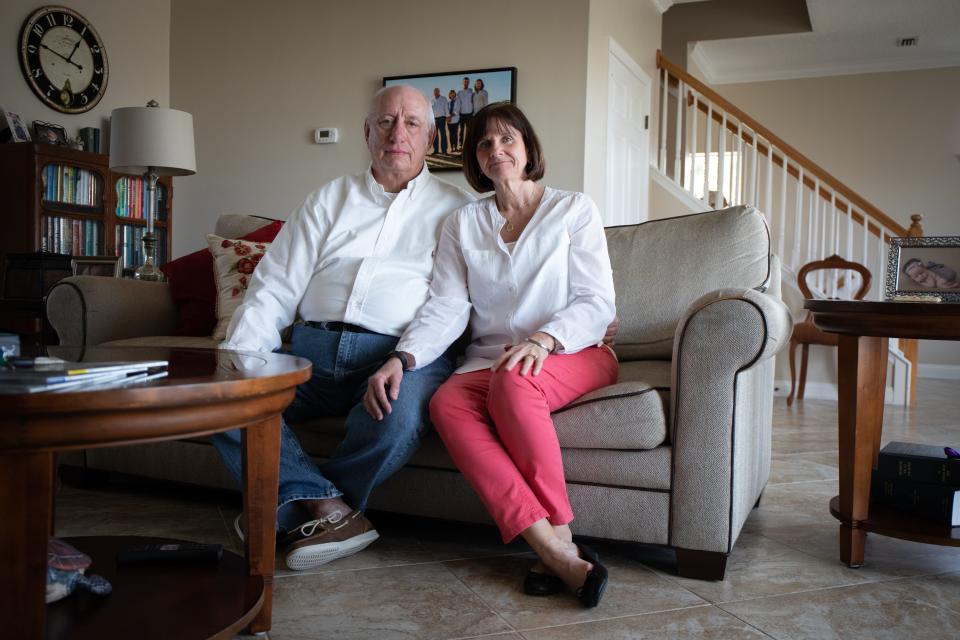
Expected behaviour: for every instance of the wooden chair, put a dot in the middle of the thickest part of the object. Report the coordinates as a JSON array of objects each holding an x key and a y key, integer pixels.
[{"x": 805, "y": 332}]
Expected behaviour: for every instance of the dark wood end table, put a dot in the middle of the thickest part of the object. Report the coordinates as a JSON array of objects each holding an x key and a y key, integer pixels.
[
  {"x": 206, "y": 392},
  {"x": 864, "y": 330}
]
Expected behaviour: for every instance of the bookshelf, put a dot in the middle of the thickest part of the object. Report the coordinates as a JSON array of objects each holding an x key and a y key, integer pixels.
[{"x": 60, "y": 200}]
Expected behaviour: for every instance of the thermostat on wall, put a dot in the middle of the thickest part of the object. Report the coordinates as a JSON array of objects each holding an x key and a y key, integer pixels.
[{"x": 325, "y": 135}]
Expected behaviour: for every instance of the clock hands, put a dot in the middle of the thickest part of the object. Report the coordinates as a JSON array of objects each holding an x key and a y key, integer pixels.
[
  {"x": 57, "y": 53},
  {"x": 74, "y": 50}
]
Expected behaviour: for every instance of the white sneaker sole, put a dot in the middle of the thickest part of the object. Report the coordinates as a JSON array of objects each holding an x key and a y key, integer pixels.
[{"x": 318, "y": 554}]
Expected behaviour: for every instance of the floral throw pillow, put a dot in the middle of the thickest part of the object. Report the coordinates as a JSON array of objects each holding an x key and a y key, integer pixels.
[{"x": 233, "y": 265}]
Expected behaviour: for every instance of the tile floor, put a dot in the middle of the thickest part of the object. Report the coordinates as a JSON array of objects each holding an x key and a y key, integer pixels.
[{"x": 430, "y": 579}]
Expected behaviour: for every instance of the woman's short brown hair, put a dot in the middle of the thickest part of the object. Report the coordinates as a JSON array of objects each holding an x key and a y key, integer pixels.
[{"x": 508, "y": 114}]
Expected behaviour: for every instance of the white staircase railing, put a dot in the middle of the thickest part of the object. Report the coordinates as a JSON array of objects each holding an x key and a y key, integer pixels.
[{"x": 718, "y": 154}]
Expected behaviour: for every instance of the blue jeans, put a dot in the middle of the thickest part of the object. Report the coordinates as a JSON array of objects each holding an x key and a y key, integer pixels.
[{"x": 371, "y": 451}]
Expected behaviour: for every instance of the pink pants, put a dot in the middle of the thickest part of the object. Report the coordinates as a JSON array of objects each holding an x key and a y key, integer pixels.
[{"x": 498, "y": 430}]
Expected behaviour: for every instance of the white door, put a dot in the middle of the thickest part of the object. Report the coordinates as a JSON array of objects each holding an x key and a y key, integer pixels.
[{"x": 628, "y": 111}]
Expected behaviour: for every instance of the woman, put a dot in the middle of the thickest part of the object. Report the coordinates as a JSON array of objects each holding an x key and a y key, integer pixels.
[
  {"x": 453, "y": 119},
  {"x": 528, "y": 267},
  {"x": 480, "y": 98}
]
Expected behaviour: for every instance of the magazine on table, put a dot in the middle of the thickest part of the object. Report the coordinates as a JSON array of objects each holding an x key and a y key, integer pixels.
[{"x": 32, "y": 376}]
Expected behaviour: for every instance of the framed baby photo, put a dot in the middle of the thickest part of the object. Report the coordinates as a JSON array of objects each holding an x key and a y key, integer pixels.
[
  {"x": 454, "y": 97},
  {"x": 925, "y": 267}
]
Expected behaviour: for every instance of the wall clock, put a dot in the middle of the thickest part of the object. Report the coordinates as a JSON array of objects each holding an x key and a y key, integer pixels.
[{"x": 63, "y": 59}]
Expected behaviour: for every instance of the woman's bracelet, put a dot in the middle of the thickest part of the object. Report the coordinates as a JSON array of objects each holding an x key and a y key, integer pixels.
[{"x": 539, "y": 344}]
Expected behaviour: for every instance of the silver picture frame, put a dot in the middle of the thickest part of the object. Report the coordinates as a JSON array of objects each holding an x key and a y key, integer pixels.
[{"x": 924, "y": 267}]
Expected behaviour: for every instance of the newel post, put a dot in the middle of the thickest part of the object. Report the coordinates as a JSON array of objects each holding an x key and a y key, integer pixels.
[{"x": 910, "y": 348}]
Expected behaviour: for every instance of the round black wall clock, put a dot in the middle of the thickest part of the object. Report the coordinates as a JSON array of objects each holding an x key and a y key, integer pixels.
[{"x": 63, "y": 59}]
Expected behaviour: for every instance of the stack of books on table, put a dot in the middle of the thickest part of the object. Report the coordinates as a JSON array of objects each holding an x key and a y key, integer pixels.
[
  {"x": 920, "y": 479},
  {"x": 46, "y": 374}
]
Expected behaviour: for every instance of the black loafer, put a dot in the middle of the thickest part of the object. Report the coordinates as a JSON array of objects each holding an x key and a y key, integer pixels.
[
  {"x": 593, "y": 587},
  {"x": 542, "y": 584}
]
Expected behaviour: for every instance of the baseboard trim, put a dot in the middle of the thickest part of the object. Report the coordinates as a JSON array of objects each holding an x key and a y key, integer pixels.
[
  {"x": 820, "y": 391},
  {"x": 940, "y": 371}
]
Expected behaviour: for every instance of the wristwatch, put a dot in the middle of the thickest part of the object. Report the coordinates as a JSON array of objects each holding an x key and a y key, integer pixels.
[{"x": 400, "y": 355}]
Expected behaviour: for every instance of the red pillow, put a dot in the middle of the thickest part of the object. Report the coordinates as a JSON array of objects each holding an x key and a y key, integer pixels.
[{"x": 194, "y": 290}]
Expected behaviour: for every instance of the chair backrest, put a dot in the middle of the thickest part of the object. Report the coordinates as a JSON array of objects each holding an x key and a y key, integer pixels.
[
  {"x": 834, "y": 262},
  {"x": 660, "y": 267}
]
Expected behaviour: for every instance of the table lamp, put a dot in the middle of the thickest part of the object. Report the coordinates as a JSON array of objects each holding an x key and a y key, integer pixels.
[{"x": 151, "y": 142}]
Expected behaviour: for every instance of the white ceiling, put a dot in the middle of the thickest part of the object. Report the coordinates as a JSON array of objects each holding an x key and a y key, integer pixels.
[{"x": 849, "y": 36}]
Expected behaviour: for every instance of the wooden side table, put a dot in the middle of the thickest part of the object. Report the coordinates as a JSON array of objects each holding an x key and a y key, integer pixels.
[
  {"x": 865, "y": 329},
  {"x": 206, "y": 392}
]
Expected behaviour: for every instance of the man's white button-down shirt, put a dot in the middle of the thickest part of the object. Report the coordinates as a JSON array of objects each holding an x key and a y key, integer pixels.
[
  {"x": 557, "y": 279},
  {"x": 351, "y": 253}
]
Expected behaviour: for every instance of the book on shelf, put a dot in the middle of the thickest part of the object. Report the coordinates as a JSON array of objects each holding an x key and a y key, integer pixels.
[
  {"x": 925, "y": 463},
  {"x": 91, "y": 139},
  {"x": 37, "y": 376},
  {"x": 934, "y": 501}
]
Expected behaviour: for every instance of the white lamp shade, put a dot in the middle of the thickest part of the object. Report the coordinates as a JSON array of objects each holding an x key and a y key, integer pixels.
[{"x": 142, "y": 137}]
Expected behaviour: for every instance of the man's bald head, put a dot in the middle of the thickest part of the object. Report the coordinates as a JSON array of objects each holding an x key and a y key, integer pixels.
[{"x": 399, "y": 130}]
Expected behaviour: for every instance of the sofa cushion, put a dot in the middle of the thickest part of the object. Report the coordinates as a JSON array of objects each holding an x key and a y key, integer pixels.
[
  {"x": 186, "y": 342},
  {"x": 233, "y": 264},
  {"x": 661, "y": 266},
  {"x": 191, "y": 280},
  {"x": 629, "y": 415},
  {"x": 645, "y": 469}
]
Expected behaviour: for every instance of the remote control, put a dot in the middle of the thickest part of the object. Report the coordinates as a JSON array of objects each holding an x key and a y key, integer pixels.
[{"x": 191, "y": 552}]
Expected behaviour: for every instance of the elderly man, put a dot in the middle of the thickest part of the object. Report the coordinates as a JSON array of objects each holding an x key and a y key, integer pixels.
[{"x": 354, "y": 262}]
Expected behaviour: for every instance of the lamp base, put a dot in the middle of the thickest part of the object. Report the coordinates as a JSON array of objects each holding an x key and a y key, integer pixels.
[{"x": 149, "y": 270}]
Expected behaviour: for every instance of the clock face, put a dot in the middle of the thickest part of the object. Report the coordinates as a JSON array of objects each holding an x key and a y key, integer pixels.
[{"x": 63, "y": 59}]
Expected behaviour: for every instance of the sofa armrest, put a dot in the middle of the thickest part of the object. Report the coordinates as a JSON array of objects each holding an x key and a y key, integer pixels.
[
  {"x": 91, "y": 310},
  {"x": 722, "y": 397}
]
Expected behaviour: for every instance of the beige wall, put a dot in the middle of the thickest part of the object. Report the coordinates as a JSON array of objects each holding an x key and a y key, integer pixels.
[
  {"x": 635, "y": 26},
  {"x": 258, "y": 80},
  {"x": 136, "y": 36},
  {"x": 892, "y": 137}
]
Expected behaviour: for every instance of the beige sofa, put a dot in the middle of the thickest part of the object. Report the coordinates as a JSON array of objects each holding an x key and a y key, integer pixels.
[{"x": 676, "y": 453}]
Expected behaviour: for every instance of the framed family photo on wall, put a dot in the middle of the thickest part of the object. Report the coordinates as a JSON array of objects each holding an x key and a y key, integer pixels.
[
  {"x": 455, "y": 96},
  {"x": 925, "y": 267}
]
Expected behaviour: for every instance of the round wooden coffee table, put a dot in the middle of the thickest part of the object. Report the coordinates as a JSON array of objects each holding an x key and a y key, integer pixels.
[{"x": 205, "y": 392}]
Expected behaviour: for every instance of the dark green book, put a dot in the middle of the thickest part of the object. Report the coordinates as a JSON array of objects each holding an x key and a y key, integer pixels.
[
  {"x": 934, "y": 501},
  {"x": 918, "y": 463}
]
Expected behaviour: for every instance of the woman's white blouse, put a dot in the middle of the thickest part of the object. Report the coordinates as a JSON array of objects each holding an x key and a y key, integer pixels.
[{"x": 557, "y": 280}]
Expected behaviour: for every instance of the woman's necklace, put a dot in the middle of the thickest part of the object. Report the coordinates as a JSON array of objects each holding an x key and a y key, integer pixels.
[{"x": 523, "y": 212}]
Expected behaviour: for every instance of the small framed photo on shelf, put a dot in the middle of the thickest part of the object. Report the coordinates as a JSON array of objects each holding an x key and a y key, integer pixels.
[
  {"x": 924, "y": 267},
  {"x": 12, "y": 128},
  {"x": 48, "y": 133},
  {"x": 454, "y": 97},
  {"x": 108, "y": 266}
]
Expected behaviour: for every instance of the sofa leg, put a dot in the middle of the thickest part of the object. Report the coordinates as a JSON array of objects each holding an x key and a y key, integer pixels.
[
  {"x": 701, "y": 565},
  {"x": 759, "y": 498}
]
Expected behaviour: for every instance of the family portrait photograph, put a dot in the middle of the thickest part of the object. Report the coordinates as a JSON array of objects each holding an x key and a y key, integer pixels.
[{"x": 455, "y": 96}]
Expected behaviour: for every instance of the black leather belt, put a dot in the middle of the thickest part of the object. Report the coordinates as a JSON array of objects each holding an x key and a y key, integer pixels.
[{"x": 338, "y": 326}]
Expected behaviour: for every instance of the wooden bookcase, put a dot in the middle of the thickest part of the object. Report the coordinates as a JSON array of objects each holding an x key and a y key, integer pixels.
[{"x": 30, "y": 208}]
